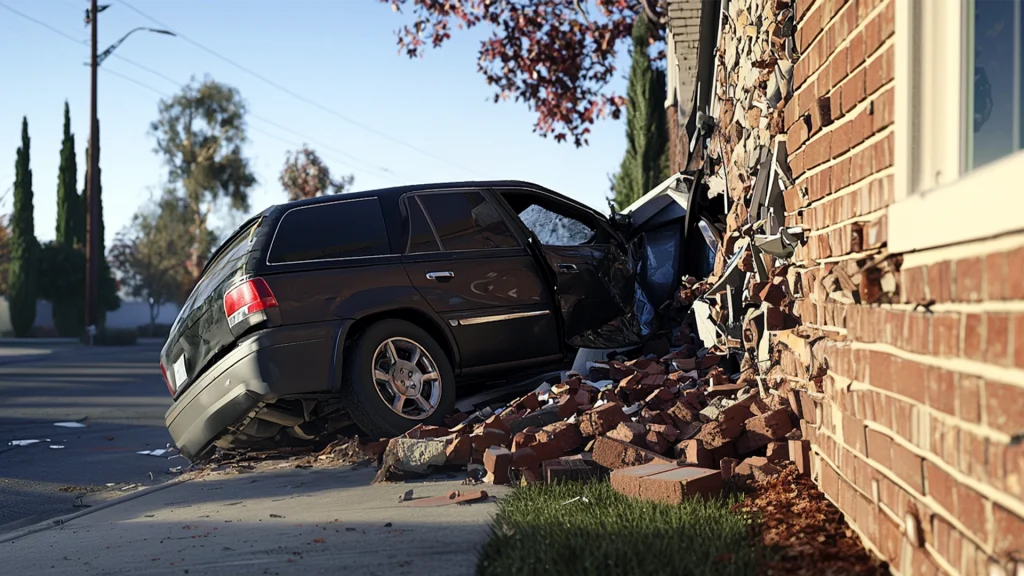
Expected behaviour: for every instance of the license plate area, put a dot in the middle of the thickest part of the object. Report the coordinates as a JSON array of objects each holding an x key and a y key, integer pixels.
[{"x": 180, "y": 372}]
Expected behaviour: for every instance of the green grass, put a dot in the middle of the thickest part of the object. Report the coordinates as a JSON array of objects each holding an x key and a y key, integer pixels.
[{"x": 535, "y": 533}]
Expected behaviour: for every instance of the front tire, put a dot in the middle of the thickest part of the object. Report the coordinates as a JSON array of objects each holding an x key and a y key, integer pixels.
[{"x": 395, "y": 377}]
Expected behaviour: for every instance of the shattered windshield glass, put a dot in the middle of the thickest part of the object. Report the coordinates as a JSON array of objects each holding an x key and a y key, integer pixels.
[{"x": 554, "y": 229}]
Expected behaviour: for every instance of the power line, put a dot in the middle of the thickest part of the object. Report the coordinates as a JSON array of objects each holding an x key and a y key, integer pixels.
[
  {"x": 387, "y": 174},
  {"x": 298, "y": 96},
  {"x": 45, "y": 25}
]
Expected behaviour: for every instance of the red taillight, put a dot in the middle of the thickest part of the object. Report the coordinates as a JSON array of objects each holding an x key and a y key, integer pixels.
[
  {"x": 167, "y": 381},
  {"x": 246, "y": 299}
]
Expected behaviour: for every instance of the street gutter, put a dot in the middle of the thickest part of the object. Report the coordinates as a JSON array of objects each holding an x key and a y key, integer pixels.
[{"x": 62, "y": 520}]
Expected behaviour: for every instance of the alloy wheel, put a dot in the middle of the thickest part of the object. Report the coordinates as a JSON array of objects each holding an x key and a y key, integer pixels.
[{"x": 406, "y": 378}]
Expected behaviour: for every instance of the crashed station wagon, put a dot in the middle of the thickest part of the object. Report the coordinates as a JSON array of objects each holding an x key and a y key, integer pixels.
[{"x": 377, "y": 307}]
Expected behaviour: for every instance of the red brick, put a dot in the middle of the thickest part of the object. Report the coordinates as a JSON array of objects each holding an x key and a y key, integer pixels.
[
  {"x": 912, "y": 285},
  {"x": 907, "y": 466},
  {"x": 626, "y": 481},
  {"x": 969, "y": 280},
  {"x": 1015, "y": 274},
  {"x": 614, "y": 454},
  {"x": 883, "y": 152},
  {"x": 872, "y": 36},
  {"x": 853, "y": 433},
  {"x": 602, "y": 419},
  {"x": 879, "y": 447},
  {"x": 1009, "y": 531},
  {"x": 884, "y": 110},
  {"x": 497, "y": 461},
  {"x": 939, "y": 282},
  {"x": 941, "y": 486},
  {"x": 941, "y": 392},
  {"x": 995, "y": 276},
  {"x": 909, "y": 378},
  {"x": 1004, "y": 405},
  {"x": 856, "y": 48},
  {"x": 946, "y": 334},
  {"x": 968, "y": 398},
  {"x": 862, "y": 127},
  {"x": 1018, "y": 340},
  {"x": 838, "y": 68},
  {"x": 888, "y": 20},
  {"x": 565, "y": 437},
  {"x": 676, "y": 486},
  {"x": 970, "y": 509},
  {"x": 890, "y": 539},
  {"x": 853, "y": 90},
  {"x": 879, "y": 71},
  {"x": 997, "y": 336},
  {"x": 800, "y": 453},
  {"x": 974, "y": 337}
]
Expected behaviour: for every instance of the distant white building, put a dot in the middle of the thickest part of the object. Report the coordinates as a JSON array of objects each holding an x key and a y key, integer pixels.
[{"x": 131, "y": 314}]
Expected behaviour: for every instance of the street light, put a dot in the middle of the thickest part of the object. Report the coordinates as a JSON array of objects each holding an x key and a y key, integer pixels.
[
  {"x": 92, "y": 244},
  {"x": 103, "y": 55}
]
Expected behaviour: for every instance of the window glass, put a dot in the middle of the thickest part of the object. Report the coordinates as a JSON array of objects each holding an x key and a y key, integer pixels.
[
  {"x": 420, "y": 237},
  {"x": 228, "y": 263},
  {"x": 554, "y": 229},
  {"x": 335, "y": 230},
  {"x": 466, "y": 221},
  {"x": 994, "y": 81}
]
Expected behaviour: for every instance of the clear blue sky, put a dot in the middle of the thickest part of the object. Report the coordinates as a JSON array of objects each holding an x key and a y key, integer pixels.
[{"x": 341, "y": 54}]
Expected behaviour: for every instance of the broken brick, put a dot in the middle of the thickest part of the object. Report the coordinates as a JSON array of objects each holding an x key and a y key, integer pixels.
[
  {"x": 584, "y": 398},
  {"x": 670, "y": 432},
  {"x": 563, "y": 435},
  {"x": 760, "y": 430},
  {"x": 675, "y": 486},
  {"x": 659, "y": 399},
  {"x": 656, "y": 442},
  {"x": 682, "y": 414},
  {"x": 724, "y": 390},
  {"x": 728, "y": 467},
  {"x": 759, "y": 406},
  {"x": 497, "y": 423},
  {"x": 616, "y": 454},
  {"x": 525, "y": 458},
  {"x": 459, "y": 451},
  {"x": 567, "y": 406},
  {"x": 618, "y": 370},
  {"x": 758, "y": 467},
  {"x": 497, "y": 461},
  {"x": 579, "y": 468},
  {"x": 778, "y": 452},
  {"x": 423, "y": 432},
  {"x": 601, "y": 419},
  {"x": 489, "y": 437},
  {"x": 773, "y": 294},
  {"x": 800, "y": 454},
  {"x": 693, "y": 452},
  {"x": 630, "y": 432}
]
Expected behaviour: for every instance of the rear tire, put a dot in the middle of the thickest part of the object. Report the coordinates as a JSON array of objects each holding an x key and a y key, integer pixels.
[{"x": 369, "y": 386}]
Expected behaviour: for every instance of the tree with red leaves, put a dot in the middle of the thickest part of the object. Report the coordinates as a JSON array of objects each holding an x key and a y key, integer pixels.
[{"x": 557, "y": 56}]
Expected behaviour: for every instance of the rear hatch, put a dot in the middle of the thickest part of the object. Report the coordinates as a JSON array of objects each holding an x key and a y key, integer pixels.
[{"x": 202, "y": 334}]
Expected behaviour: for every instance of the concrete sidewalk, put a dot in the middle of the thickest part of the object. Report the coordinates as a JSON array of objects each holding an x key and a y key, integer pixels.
[{"x": 284, "y": 521}]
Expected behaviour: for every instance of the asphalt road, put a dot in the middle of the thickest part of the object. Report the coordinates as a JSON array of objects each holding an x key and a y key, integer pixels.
[{"x": 120, "y": 394}]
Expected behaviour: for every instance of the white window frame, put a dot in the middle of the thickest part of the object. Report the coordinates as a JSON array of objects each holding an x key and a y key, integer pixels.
[{"x": 936, "y": 201}]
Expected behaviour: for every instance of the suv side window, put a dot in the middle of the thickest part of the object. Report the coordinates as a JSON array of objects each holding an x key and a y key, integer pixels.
[
  {"x": 466, "y": 221},
  {"x": 420, "y": 237},
  {"x": 553, "y": 229},
  {"x": 342, "y": 229}
]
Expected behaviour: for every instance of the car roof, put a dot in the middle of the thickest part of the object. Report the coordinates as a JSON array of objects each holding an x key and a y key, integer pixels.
[{"x": 397, "y": 191}]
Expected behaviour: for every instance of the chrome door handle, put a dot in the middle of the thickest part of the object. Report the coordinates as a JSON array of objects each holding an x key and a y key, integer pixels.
[
  {"x": 567, "y": 268},
  {"x": 440, "y": 275}
]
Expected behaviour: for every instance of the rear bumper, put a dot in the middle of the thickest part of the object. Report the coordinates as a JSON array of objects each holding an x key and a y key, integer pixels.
[{"x": 266, "y": 366}]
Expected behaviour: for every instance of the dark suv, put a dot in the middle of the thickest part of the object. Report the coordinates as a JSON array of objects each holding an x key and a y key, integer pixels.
[{"x": 374, "y": 305}]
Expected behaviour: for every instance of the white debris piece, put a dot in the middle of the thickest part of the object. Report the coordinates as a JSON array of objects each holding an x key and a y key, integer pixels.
[
  {"x": 157, "y": 452},
  {"x": 23, "y": 442},
  {"x": 69, "y": 424},
  {"x": 56, "y": 446}
]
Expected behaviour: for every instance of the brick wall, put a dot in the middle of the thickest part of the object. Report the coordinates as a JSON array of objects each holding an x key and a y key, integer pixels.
[
  {"x": 684, "y": 26},
  {"x": 913, "y": 365}
]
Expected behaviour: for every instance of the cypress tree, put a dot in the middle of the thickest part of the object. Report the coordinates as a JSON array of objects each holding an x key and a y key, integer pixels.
[
  {"x": 62, "y": 268},
  {"x": 22, "y": 289},
  {"x": 107, "y": 298},
  {"x": 68, "y": 202},
  {"x": 645, "y": 164}
]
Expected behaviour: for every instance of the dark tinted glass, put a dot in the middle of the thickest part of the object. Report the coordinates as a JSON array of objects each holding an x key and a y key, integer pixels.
[
  {"x": 466, "y": 221},
  {"x": 228, "y": 263},
  {"x": 421, "y": 237},
  {"x": 346, "y": 229}
]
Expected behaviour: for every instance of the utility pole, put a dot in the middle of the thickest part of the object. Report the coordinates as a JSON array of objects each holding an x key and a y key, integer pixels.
[
  {"x": 93, "y": 254},
  {"x": 92, "y": 244}
]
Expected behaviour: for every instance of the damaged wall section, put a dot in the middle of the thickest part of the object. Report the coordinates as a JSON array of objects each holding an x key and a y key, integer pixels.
[{"x": 907, "y": 370}]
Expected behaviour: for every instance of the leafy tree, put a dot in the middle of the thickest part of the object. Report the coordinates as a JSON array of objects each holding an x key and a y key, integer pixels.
[
  {"x": 22, "y": 294},
  {"x": 69, "y": 203},
  {"x": 557, "y": 56},
  {"x": 200, "y": 133},
  {"x": 305, "y": 175},
  {"x": 149, "y": 254},
  {"x": 646, "y": 161}
]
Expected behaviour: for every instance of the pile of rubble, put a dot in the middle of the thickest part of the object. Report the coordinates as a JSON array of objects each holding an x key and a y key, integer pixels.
[{"x": 680, "y": 416}]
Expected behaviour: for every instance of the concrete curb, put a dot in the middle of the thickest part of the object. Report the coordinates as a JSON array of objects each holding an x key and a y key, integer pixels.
[{"x": 62, "y": 520}]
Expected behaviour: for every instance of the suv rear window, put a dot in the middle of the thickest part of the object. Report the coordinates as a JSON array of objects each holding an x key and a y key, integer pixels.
[
  {"x": 343, "y": 229},
  {"x": 227, "y": 263},
  {"x": 467, "y": 221}
]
